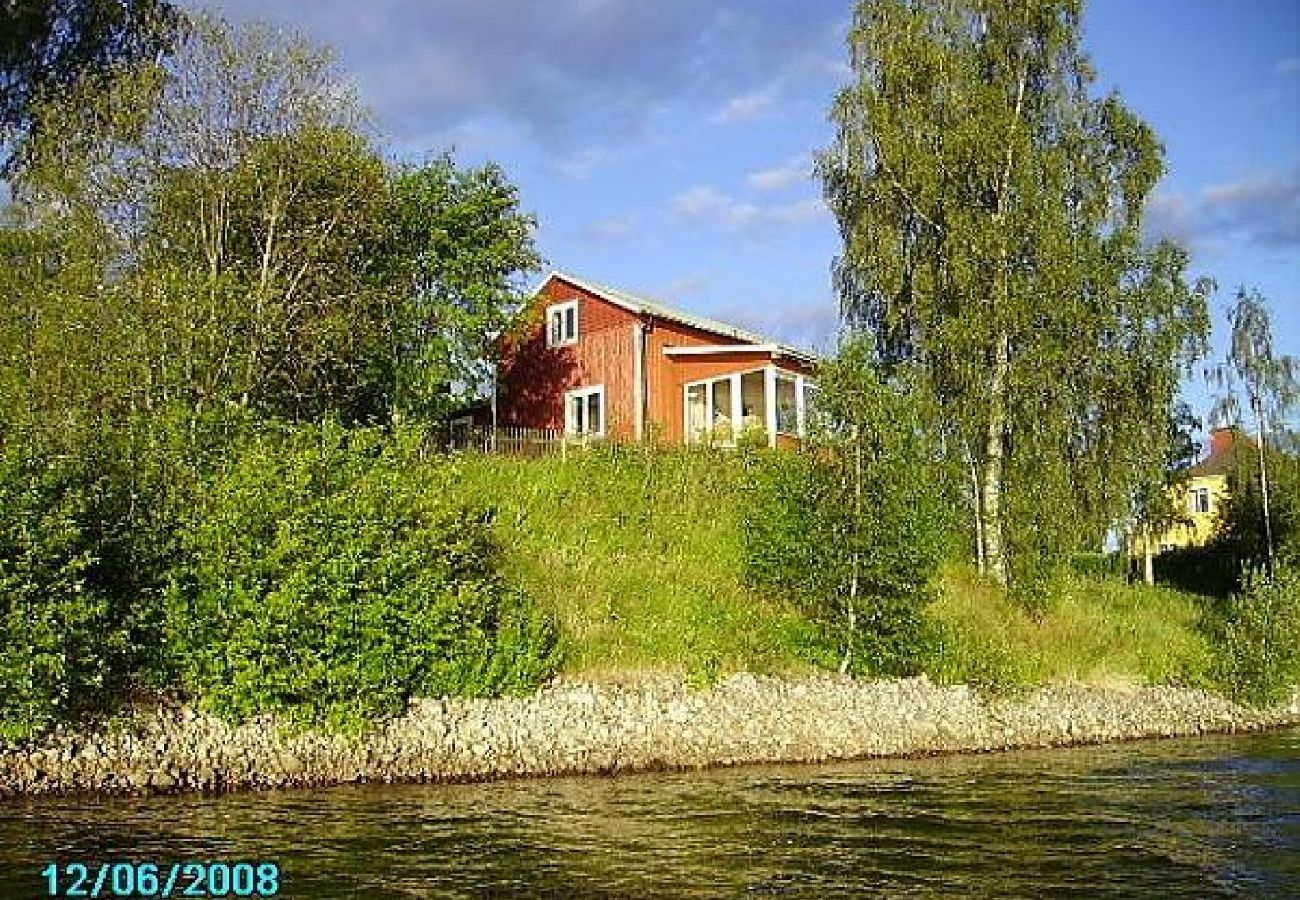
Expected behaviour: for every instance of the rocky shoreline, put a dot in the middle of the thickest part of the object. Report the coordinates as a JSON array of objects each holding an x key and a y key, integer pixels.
[{"x": 573, "y": 727}]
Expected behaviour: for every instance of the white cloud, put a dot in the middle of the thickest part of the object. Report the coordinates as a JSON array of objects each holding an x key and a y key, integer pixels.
[
  {"x": 781, "y": 176},
  {"x": 698, "y": 203},
  {"x": 579, "y": 165},
  {"x": 745, "y": 108},
  {"x": 1262, "y": 209},
  {"x": 611, "y": 229},
  {"x": 685, "y": 286},
  {"x": 805, "y": 322},
  {"x": 563, "y": 70},
  {"x": 708, "y": 205}
]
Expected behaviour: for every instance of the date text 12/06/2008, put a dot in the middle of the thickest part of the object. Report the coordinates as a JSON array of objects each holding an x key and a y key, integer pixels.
[{"x": 191, "y": 878}]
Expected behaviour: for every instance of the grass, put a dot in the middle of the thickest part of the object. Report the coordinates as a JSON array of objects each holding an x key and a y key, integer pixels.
[
  {"x": 640, "y": 554},
  {"x": 1093, "y": 630}
]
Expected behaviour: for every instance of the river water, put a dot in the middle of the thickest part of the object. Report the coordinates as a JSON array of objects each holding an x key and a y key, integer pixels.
[{"x": 1187, "y": 818}]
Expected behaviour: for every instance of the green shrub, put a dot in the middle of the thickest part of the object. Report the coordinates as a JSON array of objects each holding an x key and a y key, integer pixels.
[
  {"x": 1260, "y": 657},
  {"x": 853, "y": 526},
  {"x": 1099, "y": 566},
  {"x": 1213, "y": 569},
  {"x": 57, "y": 635},
  {"x": 329, "y": 578}
]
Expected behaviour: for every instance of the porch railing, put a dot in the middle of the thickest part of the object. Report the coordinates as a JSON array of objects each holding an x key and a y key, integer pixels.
[{"x": 515, "y": 441}]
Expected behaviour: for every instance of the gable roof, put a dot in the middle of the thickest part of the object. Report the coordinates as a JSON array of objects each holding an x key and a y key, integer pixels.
[
  {"x": 1223, "y": 458},
  {"x": 644, "y": 306}
]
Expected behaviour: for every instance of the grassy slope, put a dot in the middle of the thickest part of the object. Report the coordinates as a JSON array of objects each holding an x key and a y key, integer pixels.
[
  {"x": 1093, "y": 630},
  {"x": 640, "y": 555}
]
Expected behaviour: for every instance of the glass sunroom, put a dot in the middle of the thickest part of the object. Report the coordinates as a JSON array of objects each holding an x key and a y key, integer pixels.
[{"x": 767, "y": 401}]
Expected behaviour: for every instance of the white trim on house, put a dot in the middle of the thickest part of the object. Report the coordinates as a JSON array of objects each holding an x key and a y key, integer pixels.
[
  {"x": 643, "y": 306},
  {"x": 638, "y": 379},
  {"x": 707, "y": 349},
  {"x": 796, "y": 380},
  {"x": 572, "y": 427},
  {"x": 567, "y": 337},
  {"x": 769, "y": 398}
]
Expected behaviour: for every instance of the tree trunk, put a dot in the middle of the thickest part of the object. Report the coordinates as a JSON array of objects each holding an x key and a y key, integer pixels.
[
  {"x": 995, "y": 558},
  {"x": 1263, "y": 490},
  {"x": 857, "y": 559},
  {"x": 1148, "y": 559},
  {"x": 979, "y": 516}
]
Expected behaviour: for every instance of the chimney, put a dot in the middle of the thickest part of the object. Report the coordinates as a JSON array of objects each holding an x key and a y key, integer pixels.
[{"x": 1221, "y": 440}]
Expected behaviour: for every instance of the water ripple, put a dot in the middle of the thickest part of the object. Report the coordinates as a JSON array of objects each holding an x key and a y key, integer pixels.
[{"x": 1216, "y": 817}]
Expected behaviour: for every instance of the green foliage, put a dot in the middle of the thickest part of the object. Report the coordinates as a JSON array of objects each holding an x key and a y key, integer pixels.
[
  {"x": 1099, "y": 566},
  {"x": 330, "y": 579},
  {"x": 1212, "y": 569},
  {"x": 1271, "y": 382},
  {"x": 991, "y": 210},
  {"x": 853, "y": 527},
  {"x": 90, "y": 514},
  {"x": 47, "y": 46},
  {"x": 455, "y": 246},
  {"x": 639, "y": 550},
  {"x": 1087, "y": 630},
  {"x": 1260, "y": 652},
  {"x": 1242, "y": 531},
  {"x": 271, "y": 259},
  {"x": 1240, "y": 543},
  {"x": 56, "y": 634}
]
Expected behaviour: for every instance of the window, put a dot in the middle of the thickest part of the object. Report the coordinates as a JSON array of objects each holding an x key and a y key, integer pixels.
[
  {"x": 714, "y": 409},
  {"x": 562, "y": 324},
  {"x": 1198, "y": 500},
  {"x": 787, "y": 405},
  {"x": 584, "y": 412},
  {"x": 753, "y": 402},
  {"x": 809, "y": 406},
  {"x": 697, "y": 416}
]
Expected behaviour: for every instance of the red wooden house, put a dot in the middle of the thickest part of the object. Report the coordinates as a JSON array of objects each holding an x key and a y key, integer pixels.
[{"x": 600, "y": 362}]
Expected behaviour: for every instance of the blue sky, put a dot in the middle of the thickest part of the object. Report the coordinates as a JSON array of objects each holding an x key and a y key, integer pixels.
[{"x": 665, "y": 147}]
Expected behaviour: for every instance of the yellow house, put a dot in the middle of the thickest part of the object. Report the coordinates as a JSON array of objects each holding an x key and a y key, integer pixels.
[{"x": 1203, "y": 494}]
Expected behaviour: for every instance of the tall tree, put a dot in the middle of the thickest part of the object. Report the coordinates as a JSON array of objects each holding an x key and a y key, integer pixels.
[
  {"x": 1157, "y": 506},
  {"x": 990, "y": 211},
  {"x": 47, "y": 46},
  {"x": 456, "y": 247},
  {"x": 240, "y": 238},
  {"x": 854, "y": 526},
  {"x": 1270, "y": 380}
]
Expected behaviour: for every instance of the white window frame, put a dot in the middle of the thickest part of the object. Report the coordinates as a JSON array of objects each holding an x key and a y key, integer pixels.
[
  {"x": 1193, "y": 497},
  {"x": 804, "y": 386},
  {"x": 560, "y": 309},
  {"x": 570, "y": 428},
  {"x": 796, "y": 379},
  {"x": 736, "y": 416}
]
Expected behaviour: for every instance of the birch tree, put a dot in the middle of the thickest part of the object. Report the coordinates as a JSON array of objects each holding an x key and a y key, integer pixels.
[
  {"x": 990, "y": 211},
  {"x": 251, "y": 244},
  {"x": 1271, "y": 382}
]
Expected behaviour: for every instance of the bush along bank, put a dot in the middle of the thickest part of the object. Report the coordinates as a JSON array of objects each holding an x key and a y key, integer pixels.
[{"x": 575, "y": 727}]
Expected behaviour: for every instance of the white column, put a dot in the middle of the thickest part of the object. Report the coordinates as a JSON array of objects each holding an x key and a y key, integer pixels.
[
  {"x": 638, "y": 380},
  {"x": 801, "y": 425},
  {"x": 687, "y": 436},
  {"x": 737, "y": 410},
  {"x": 769, "y": 401}
]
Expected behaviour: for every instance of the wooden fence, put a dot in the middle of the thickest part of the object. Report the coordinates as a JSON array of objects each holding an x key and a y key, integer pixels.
[{"x": 514, "y": 441}]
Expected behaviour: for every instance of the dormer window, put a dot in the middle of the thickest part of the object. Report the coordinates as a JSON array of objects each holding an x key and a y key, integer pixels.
[{"x": 562, "y": 324}]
